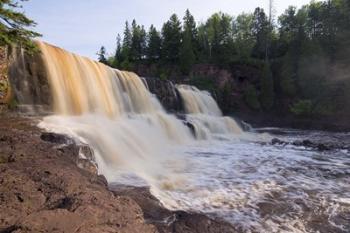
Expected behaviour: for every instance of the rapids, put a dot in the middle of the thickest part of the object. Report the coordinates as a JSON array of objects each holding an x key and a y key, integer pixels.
[
  {"x": 205, "y": 115},
  {"x": 221, "y": 171}
]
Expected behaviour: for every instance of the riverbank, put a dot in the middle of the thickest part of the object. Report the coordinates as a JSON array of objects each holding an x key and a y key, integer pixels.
[
  {"x": 258, "y": 120},
  {"x": 49, "y": 185}
]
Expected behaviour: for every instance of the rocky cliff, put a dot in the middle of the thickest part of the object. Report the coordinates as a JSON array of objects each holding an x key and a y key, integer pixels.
[
  {"x": 29, "y": 82},
  {"x": 166, "y": 93},
  {"x": 43, "y": 190},
  {"x": 48, "y": 184},
  {"x": 5, "y": 91}
]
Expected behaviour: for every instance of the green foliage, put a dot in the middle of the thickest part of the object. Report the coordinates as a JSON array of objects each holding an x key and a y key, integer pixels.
[
  {"x": 127, "y": 65},
  {"x": 251, "y": 97},
  {"x": 3, "y": 159},
  {"x": 138, "y": 42},
  {"x": 187, "y": 56},
  {"x": 127, "y": 40},
  {"x": 163, "y": 76},
  {"x": 217, "y": 38},
  {"x": 189, "y": 45},
  {"x": 303, "y": 56},
  {"x": 13, "y": 104},
  {"x": 203, "y": 82},
  {"x": 302, "y": 108},
  {"x": 154, "y": 44},
  {"x": 262, "y": 31},
  {"x": 267, "y": 88},
  {"x": 102, "y": 55},
  {"x": 242, "y": 31},
  {"x": 171, "y": 35},
  {"x": 14, "y": 26},
  {"x": 118, "y": 54}
]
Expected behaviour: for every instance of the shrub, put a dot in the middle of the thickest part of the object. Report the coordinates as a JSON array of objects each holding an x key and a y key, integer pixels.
[
  {"x": 203, "y": 83},
  {"x": 302, "y": 108},
  {"x": 251, "y": 97},
  {"x": 267, "y": 88}
]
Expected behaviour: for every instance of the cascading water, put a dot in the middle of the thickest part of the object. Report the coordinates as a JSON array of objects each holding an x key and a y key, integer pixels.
[
  {"x": 205, "y": 115},
  {"x": 113, "y": 112},
  {"x": 256, "y": 186}
]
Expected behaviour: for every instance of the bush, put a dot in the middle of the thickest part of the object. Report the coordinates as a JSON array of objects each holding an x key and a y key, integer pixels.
[
  {"x": 267, "y": 88},
  {"x": 127, "y": 65},
  {"x": 163, "y": 76},
  {"x": 302, "y": 108},
  {"x": 251, "y": 97},
  {"x": 13, "y": 104},
  {"x": 203, "y": 83}
]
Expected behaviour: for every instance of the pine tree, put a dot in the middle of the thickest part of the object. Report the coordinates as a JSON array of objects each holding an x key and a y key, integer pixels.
[
  {"x": 187, "y": 56},
  {"x": 138, "y": 42},
  {"x": 125, "y": 51},
  {"x": 153, "y": 44},
  {"x": 220, "y": 35},
  {"x": 190, "y": 26},
  {"x": 13, "y": 26},
  {"x": 261, "y": 31},
  {"x": 102, "y": 55},
  {"x": 118, "y": 53},
  {"x": 171, "y": 35},
  {"x": 189, "y": 43},
  {"x": 267, "y": 87},
  {"x": 143, "y": 43}
]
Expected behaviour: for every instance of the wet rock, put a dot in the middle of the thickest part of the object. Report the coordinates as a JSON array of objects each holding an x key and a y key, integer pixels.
[
  {"x": 85, "y": 152},
  {"x": 29, "y": 83},
  {"x": 191, "y": 127},
  {"x": 168, "y": 221},
  {"x": 322, "y": 147},
  {"x": 276, "y": 141},
  {"x": 166, "y": 93},
  {"x": 310, "y": 144},
  {"x": 44, "y": 191},
  {"x": 55, "y": 138},
  {"x": 87, "y": 165}
]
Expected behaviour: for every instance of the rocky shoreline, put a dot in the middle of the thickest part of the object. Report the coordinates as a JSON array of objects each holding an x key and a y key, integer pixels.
[{"x": 48, "y": 184}]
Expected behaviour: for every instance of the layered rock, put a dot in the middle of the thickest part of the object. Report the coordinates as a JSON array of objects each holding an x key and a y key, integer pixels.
[
  {"x": 5, "y": 91},
  {"x": 168, "y": 221},
  {"x": 28, "y": 78},
  {"x": 166, "y": 93},
  {"x": 43, "y": 190}
]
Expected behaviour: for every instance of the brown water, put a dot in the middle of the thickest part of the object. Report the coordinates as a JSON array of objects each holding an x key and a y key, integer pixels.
[{"x": 223, "y": 171}]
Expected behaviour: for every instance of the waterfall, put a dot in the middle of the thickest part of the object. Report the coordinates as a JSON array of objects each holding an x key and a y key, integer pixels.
[
  {"x": 114, "y": 113},
  {"x": 126, "y": 126},
  {"x": 205, "y": 115}
]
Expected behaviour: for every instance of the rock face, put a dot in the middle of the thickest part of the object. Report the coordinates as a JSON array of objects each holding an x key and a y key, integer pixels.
[
  {"x": 29, "y": 81},
  {"x": 5, "y": 91},
  {"x": 168, "y": 221},
  {"x": 42, "y": 189},
  {"x": 320, "y": 146},
  {"x": 167, "y": 94}
]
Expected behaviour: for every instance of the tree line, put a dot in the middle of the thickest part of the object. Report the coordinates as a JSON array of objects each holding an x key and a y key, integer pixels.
[{"x": 303, "y": 55}]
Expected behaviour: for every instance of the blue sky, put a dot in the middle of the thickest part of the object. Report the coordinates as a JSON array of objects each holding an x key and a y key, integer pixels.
[{"x": 82, "y": 26}]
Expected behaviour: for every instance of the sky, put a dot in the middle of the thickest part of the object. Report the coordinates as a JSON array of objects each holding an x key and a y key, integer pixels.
[{"x": 83, "y": 26}]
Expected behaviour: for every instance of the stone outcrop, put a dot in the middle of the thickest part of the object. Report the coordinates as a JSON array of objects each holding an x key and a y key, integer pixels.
[
  {"x": 313, "y": 144},
  {"x": 166, "y": 93},
  {"x": 168, "y": 221},
  {"x": 49, "y": 183},
  {"x": 43, "y": 190},
  {"x": 28, "y": 78},
  {"x": 5, "y": 91}
]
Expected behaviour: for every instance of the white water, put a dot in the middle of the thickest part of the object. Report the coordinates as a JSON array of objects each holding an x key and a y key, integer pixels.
[
  {"x": 265, "y": 188},
  {"x": 205, "y": 115},
  {"x": 231, "y": 174}
]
